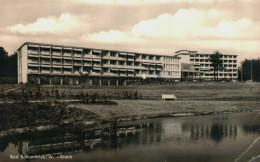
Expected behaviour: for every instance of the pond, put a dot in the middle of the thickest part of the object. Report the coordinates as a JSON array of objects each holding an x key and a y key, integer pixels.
[{"x": 222, "y": 137}]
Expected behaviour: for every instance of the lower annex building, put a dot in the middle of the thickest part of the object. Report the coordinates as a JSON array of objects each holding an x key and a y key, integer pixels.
[
  {"x": 56, "y": 64},
  {"x": 196, "y": 65}
]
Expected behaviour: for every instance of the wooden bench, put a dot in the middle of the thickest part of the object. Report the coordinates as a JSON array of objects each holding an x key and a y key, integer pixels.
[{"x": 169, "y": 97}]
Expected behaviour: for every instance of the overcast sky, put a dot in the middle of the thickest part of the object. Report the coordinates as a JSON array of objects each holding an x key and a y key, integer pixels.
[{"x": 149, "y": 26}]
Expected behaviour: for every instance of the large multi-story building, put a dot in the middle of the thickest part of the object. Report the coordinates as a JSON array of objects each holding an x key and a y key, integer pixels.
[
  {"x": 56, "y": 64},
  {"x": 196, "y": 65}
]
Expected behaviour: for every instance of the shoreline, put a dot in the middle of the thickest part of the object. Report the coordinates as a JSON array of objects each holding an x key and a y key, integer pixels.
[{"x": 91, "y": 124}]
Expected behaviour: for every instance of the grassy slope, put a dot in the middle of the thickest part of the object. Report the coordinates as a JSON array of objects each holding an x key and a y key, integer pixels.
[
  {"x": 200, "y": 98},
  {"x": 184, "y": 91},
  {"x": 150, "y": 108}
]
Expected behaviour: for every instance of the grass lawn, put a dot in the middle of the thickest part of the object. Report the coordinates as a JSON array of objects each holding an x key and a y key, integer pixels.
[
  {"x": 128, "y": 108},
  {"x": 206, "y": 91},
  {"x": 5, "y": 87}
]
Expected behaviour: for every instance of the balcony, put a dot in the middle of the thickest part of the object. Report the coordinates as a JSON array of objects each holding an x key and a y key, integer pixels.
[
  {"x": 45, "y": 71},
  {"x": 67, "y": 55},
  {"x": 122, "y": 74},
  {"x": 122, "y": 58},
  {"x": 67, "y": 63},
  {"x": 56, "y": 63},
  {"x": 67, "y": 58},
  {"x": 129, "y": 67},
  {"x": 33, "y": 71},
  {"x": 121, "y": 66},
  {"x": 33, "y": 55},
  {"x": 151, "y": 76},
  {"x": 95, "y": 73},
  {"x": 56, "y": 71},
  {"x": 87, "y": 64},
  {"x": 76, "y": 72},
  {"x": 33, "y": 52},
  {"x": 33, "y": 61},
  {"x": 67, "y": 66},
  {"x": 105, "y": 65},
  {"x": 113, "y": 66},
  {"x": 87, "y": 56},
  {"x": 105, "y": 57},
  {"x": 106, "y": 73},
  {"x": 67, "y": 72},
  {"x": 77, "y": 55},
  {"x": 56, "y": 54},
  {"x": 45, "y": 53},
  {"x": 113, "y": 58},
  {"x": 113, "y": 74},
  {"x": 45, "y": 62},
  {"x": 130, "y": 59},
  {"x": 33, "y": 65},
  {"x": 130, "y": 75},
  {"x": 96, "y": 56},
  {"x": 77, "y": 64}
]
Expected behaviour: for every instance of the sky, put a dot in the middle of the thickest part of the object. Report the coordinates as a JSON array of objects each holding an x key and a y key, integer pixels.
[{"x": 146, "y": 26}]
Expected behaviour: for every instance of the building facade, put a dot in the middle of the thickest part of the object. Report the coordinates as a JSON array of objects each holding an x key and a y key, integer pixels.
[
  {"x": 196, "y": 65},
  {"x": 56, "y": 64}
]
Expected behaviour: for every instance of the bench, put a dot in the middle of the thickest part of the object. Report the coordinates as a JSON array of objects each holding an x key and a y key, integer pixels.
[{"x": 169, "y": 97}]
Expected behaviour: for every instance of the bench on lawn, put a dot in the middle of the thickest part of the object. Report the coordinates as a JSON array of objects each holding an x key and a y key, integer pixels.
[{"x": 169, "y": 97}]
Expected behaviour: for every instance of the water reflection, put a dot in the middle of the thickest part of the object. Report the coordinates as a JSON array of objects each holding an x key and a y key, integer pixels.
[{"x": 132, "y": 134}]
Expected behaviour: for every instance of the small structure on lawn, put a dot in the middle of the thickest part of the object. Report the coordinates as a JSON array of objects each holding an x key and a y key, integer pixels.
[{"x": 169, "y": 97}]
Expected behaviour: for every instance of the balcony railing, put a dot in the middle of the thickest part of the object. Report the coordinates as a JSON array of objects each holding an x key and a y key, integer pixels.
[
  {"x": 45, "y": 52},
  {"x": 112, "y": 65},
  {"x": 58, "y": 54},
  {"x": 35, "y": 65},
  {"x": 76, "y": 72},
  {"x": 105, "y": 57},
  {"x": 56, "y": 63},
  {"x": 106, "y": 73},
  {"x": 33, "y": 70},
  {"x": 45, "y": 71},
  {"x": 33, "y": 61},
  {"x": 77, "y": 55},
  {"x": 45, "y": 62},
  {"x": 34, "y": 52},
  {"x": 122, "y": 74},
  {"x": 77, "y": 63},
  {"x": 87, "y": 64},
  {"x": 113, "y": 58},
  {"x": 122, "y": 58},
  {"x": 130, "y": 66},
  {"x": 56, "y": 72},
  {"x": 67, "y": 54},
  {"x": 87, "y": 56},
  {"x": 67, "y": 72},
  {"x": 96, "y": 56},
  {"x": 113, "y": 74},
  {"x": 67, "y": 63},
  {"x": 95, "y": 73},
  {"x": 67, "y": 66}
]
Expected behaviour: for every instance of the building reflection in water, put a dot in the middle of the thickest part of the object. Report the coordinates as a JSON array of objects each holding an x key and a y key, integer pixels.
[{"x": 131, "y": 133}]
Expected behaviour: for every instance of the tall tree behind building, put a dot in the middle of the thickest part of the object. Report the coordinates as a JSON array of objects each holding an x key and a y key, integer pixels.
[
  {"x": 8, "y": 64},
  {"x": 216, "y": 62},
  {"x": 246, "y": 70}
]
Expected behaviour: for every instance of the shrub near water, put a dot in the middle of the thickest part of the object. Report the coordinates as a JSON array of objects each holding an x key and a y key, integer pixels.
[{"x": 19, "y": 115}]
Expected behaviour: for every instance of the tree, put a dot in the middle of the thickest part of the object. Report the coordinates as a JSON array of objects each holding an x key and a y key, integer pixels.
[
  {"x": 246, "y": 70},
  {"x": 8, "y": 64},
  {"x": 216, "y": 62},
  {"x": 3, "y": 61}
]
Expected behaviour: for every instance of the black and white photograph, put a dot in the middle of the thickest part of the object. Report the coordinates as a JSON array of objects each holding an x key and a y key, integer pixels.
[{"x": 130, "y": 80}]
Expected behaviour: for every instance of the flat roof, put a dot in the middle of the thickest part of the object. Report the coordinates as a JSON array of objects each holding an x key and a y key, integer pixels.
[
  {"x": 46, "y": 44},
  {"x": 178, "y": 53}
]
